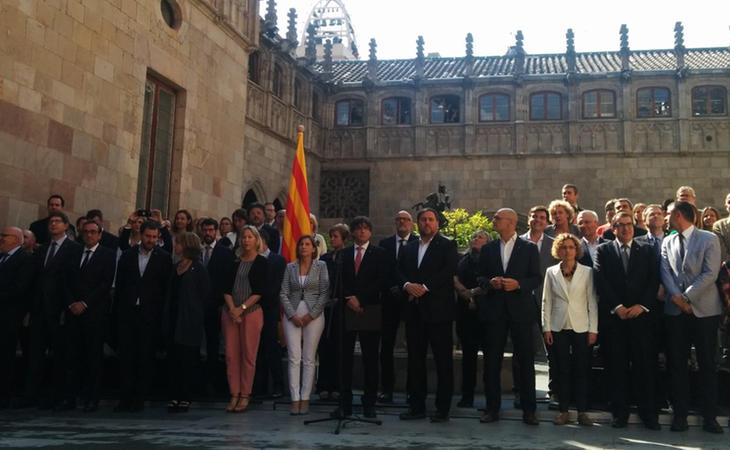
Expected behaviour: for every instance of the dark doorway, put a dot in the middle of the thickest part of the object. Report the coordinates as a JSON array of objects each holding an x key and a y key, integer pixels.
[
  {"x": 249, "y": 198},
  {"x": 277, "y": 204}
]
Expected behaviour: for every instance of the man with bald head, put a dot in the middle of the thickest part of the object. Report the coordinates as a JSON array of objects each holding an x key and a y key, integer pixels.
[
  {"x": 510, "y": 271},
  {"x": 29, "y": 241},
  {"x": 393, "y": 301},
  {"x": 16, "y": 278}
]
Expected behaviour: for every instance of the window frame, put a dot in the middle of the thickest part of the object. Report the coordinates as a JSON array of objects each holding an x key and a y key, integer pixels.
[
  {"x": 494, "y": 104},
  {"x": 297, "y": 94},
  {"x": 350, "y": 102},
  {"x": 545, "y": 95},
  {"x": 398, "y": 99},
  {"x": 708, "y": 100},
  {"x": 277, "y": 81},
  {"x": 652, "y": 108},
  {"x": 599, "y": 111},
  {"x": 444, "y": 97},
  {"x": 254, "y": 67}
]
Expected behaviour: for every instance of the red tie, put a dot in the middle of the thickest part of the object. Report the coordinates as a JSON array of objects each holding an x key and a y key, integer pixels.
[{"x": 358, "y": 259}]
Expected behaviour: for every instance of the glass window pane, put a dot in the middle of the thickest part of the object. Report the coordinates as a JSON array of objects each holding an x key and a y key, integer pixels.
[
  {"x": 405, "y": 111},
  {"x": 437, "y": 110},
  {"x": 553, "y": 106},
  {"x": 144, "y": 154},
  {"x": 608, "y": 107},
  {"x": 163, "y": 150},
  {"x": 590, "y": 105},
  {"x": 486, "y": 112},
  {"x": 699, "y": 101},
  {"x": 643, "y": 102},
  {"x": 537, "y": 107},
  {"x": 661, "y": 102},
  {"x": 717, "y": 100},
  {"x": 390, "y": 109},
  {"x": 356, "y": 112},
  {"x": 501, "y": 110},
  {"x": 343, "y": 113}
]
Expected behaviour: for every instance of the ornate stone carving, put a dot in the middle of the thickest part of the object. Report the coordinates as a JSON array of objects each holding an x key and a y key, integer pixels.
[
  {"x": 278, "y": 118},
  {"x": 394, "y": 141},
  {"x": 494, "y": 139},
  {"x": 444, "y": 141},
  {"x": 255, "y": 103},
  {"x": 346, "y": 143},
  {"x": 344, "y": 193},
  {"x": 598, "y": 137},
  {"x": 709, "y": 135},
  {"x": 655, "y": 137},
  {"x": 544, "y": 138}
]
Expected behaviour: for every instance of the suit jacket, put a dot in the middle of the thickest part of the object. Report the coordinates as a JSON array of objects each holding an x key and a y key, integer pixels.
[
  {"x": 550, "y": 230},
  {"x": 109, "y": 240},
  {"x": 436, "y": 272},
  {"x": 609, "y": 236},
  {"x": 273, "y": 241},
  {"x": 314, "y": 292},
  {"x": 219, "y": 269},
  {"x": 275, "y": 267},
  {"x": 575, "y": 300},
  {"x": 369, "y": 282},
  {"x": 523, "y": 266},
  {"x": 54, "y": 283},
  {"x": 94, "y": 281},
  {"x": 615, "y": 286},
  {"x": 546, "y": 259},
  {"x": 695, "y": 276},
  {"x": 722, "y": 229},
  {"x": 16, "y": 278},
  {"x": 149, "y": 288},
  {"x": 190, "y": 297},
  {"x": 389, "y": 244}
]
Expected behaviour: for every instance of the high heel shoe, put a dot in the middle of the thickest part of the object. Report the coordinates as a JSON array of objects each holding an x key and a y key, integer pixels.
[
  {"x": 232, "y": 404},
  {"x": 294, "y": 411},
  {"x": 242, "y": 404}
]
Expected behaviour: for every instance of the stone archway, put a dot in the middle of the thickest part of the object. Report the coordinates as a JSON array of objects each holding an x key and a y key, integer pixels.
[{"x": 248, "y": 198}]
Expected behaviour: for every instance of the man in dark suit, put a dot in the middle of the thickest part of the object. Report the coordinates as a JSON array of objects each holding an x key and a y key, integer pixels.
[
  {"x": 56, "y": 266},
  {"x": 86, "y": 318},
  {"x": 426, "y": 269},
  {"x": 257, "y": 218},
  {"x": 143, "y": 274},
  {"x": 108, "y": 240},
  {"x": 364, "y": 275},
  {"x": 218, "y": 260},
  {"x": 510, "y": 270},
  {"x": 623, "y": 205},
  {"x": 39, "y": 228},
  {"x": 268, "y": 359},
  {"x": 16, "y": 278},
  {"x": 588, "y": 224},
  {"x": 627, "y": 279},
  {"x": 393, "y": 302},
  {"x": 692, "y": 308}
]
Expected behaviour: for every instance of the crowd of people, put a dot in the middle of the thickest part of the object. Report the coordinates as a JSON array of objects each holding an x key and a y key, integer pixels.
[{"x": 649, "y": 281}]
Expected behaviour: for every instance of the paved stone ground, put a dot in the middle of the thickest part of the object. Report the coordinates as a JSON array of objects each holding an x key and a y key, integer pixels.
[{"x": 270, "y": 426}]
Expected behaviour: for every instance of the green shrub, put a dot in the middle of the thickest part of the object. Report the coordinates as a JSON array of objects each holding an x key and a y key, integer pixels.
[{"x": 463, "y": 225}]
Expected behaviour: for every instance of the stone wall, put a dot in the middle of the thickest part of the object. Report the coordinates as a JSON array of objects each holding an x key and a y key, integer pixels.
[{"x": 72, "y": 81}]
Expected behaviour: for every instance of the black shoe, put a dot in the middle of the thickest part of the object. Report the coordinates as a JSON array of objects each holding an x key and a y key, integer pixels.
[
  {"x": 517, "y": 403},
  {"x": 341, "y": 413},
  {"x": 466, "y": 402},
  {"x": 412, "y": 415},
  {"x": 440, "y": 417},
  {"x": 123, "y": 406},
  {"x": 91, "y": 406},
  {"x": 489, "y": 417},
  {"x": 679, "y": 424},
  {"x": 530, "y": 419},
  {"x": 66, "y": 405},
  {"x": 277, "y": 394},
  {"x": 369, "y": 412},
  {"x": 652, "y": 425},
  {"x": 619, "y": 422},
  {"x": 711, "y": 426},
  {"x": 385, "y": 397}
]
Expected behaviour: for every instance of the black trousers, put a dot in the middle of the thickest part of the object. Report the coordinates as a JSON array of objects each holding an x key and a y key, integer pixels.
[
  {"x": 46, "y": 335},
  {"x": 571, "y": 353},
  {"x": 9, "y": 326},
  {"x": 683, "y": 331},
  {"x": 393, "y": 308},
  {"x": 181, "y": 370},
  {"x": 369, "y": 344},
  {"x": 138, "y": 340},
  {"x": 470, "y": 331},
  {"x": 327, "y": 375},
  {"x": 84, "y": 355},
  {"x": 631, "y": 354},
  {"x": 212, "y": 323},
  {"x": 268, "y": 358},
  {"x": 523, "y": 342},
  {"x": 418, "y": 336}
]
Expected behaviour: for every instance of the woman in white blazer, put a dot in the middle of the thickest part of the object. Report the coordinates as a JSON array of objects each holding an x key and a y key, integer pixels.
[{"x": 570, "y": 323}]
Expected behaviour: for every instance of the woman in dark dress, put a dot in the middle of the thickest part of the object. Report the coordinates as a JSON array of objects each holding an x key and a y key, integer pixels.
[{"x": 183, "y": 319}]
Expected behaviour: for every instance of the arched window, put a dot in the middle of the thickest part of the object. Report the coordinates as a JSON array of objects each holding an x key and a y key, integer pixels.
[
  {"x": 709, "y": 101},
  {"x": 599, "y": 104},
  {"x": 349, "y": 113},
  {"x": 254, "y": 67},
  {"x": 396, "y": 111},
  {"x": 315, "y": 106},
  {"x": 297, "y": 94},
  {"x": 445, "y": 109},
  {"x": 546, "y": 106},
  {"x": 653, "y": 102},
  {"x": 277, "y": 81},
  {"x": 493, "y": 108}
]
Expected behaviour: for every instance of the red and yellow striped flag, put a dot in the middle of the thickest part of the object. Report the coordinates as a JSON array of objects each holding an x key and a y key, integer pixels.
[{"x": 297, "y": 203}]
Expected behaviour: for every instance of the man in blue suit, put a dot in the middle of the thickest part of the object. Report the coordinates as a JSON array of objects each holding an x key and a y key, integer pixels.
[{"x": 689, "y": 268}]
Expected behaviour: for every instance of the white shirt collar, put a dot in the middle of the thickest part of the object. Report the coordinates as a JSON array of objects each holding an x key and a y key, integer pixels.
[
  {"x": 687, "y": 233},
  {"x": 93, "y": 249}
]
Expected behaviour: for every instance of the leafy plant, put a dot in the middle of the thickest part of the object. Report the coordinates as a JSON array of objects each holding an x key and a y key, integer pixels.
[{"x": 462, "y": 225}]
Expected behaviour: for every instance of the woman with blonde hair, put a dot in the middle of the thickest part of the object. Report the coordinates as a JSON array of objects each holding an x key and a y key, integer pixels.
[
  {"x": 304, "y": 294},
  {"x": 242, "y": 318},
  {"x": 570, "y": 324}
]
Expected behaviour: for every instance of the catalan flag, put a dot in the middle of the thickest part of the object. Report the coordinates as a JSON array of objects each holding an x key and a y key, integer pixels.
[{"x": 297, "y": 203}]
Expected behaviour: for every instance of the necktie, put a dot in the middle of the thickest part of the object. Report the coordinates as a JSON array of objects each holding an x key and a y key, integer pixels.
[
  {"x": 51, "y": 253},
  {"x": 681, "y": 249},
  {"x": 400, "y": 247},
  {"x": 625, "y": 256},
  {"x": 358, "y": 259},
  {"x": 87, "y": 255},
  {"x": 206, "y": 256}
]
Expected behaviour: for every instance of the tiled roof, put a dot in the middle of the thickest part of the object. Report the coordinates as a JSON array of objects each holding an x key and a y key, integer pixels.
[{"x": 555, "y": 64}]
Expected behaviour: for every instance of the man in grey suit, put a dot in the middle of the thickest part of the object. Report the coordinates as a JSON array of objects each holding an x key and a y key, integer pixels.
[{"x": 692, "y": 308}]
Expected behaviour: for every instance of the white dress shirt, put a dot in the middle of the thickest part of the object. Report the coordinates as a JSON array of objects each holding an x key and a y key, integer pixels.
[{"x": 505, "y": 250}]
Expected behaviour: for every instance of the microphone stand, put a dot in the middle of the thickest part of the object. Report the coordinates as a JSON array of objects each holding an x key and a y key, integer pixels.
[{"x": 339, "y": 317}]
